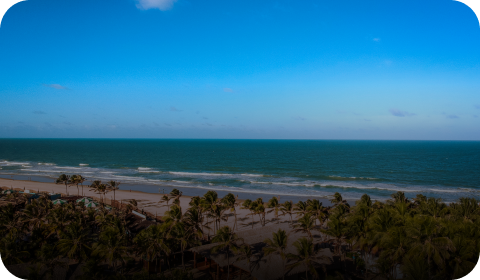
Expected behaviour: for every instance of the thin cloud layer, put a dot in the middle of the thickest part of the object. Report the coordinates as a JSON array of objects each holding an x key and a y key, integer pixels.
[
  {"x": 39, "y": 112},
  {"x": 55, "y": 86},
  {"x": 298, "y": 118},
  {"x": 398, "y": 113},
  {"x": 228, "y": 90},
  {"x": 162, "y": 5},
  {"x": 452, "y": 116},
  {"x": 173, "y": 109}
]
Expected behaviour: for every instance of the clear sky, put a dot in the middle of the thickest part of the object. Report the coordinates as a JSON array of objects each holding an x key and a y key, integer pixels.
[{"x": 312, "y": 69}]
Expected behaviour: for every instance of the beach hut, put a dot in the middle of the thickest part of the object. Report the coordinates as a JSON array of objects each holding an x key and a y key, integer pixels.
[
  {"x": 259, "y": 266},
  {"x": 91, "y": 204},
  {"x": 54, "y": 196},
  {"x": 59, "y": 202},
  {"x": 85, "y": 200}
]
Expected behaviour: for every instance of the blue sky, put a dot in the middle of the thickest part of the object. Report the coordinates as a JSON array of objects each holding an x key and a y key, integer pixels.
[{"x": 379, "y": 69}]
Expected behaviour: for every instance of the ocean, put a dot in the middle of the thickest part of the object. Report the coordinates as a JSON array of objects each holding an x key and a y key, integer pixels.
[{"x": 299, "y": 169}]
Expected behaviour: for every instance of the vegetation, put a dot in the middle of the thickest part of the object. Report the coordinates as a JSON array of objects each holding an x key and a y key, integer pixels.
[{"x": 420, "y": 238}]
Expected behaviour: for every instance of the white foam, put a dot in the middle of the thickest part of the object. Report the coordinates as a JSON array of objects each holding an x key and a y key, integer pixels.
[
  {"x": 449, "y": 191},
  {"x": 15, "y": 163},
  {"x": 198, "y": 174},
  {"x": 144, "y": 168},
  {"x": 69, "y": 167},
  {"x": 252, "y": 175}
]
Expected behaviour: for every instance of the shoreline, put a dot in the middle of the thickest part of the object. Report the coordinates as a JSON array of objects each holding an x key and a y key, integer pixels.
[
  {"x": 187, "y": 191},
  {"x": 149, "y": 202}
]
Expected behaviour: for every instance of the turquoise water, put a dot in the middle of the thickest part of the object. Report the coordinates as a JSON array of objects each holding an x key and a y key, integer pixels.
[{"x": 299, "y": 168}]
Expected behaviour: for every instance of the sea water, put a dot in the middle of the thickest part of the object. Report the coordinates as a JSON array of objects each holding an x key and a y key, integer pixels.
[{"x": 287, "y": 168}]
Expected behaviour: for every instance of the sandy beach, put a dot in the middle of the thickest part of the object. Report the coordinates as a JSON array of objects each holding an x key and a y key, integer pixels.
[{"x": 148, "y": 202}]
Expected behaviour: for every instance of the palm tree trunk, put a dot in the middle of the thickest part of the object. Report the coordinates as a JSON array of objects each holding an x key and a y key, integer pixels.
[
  {"x": 228, "y": 264},
  {"x": 235, "y": 214},
  {"x": 183, "y": 264}
]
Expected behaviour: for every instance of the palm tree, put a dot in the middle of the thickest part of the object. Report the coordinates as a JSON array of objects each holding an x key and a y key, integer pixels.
[
  {"x": 58, "y": 219},
  {"x": 258, "y": 208},
  {"x": 175, "y": 194},
  {"x": 305, "y": 224},
  {"x": 247, "y": 205},
  {"x": 112, "y": 245},
  {"x": 11, "y": 250},
  {"x": 466, "y": 208},
  {"x": 434, "y": 207},
  {"x": 337, "y": 198},
  {"x": 336, "y": 228},
  {"x": 48, "y": 258},
  {"x": 210, "y": 203},
  {"x": 245, "y": 252},
  {"x": 277, "y": 245},
  {"x": 306, "y": 256},
  {"x": 365, "y": 200},
  {"x": 113, "y": 186},
  {"x": 287, "y": 208},
  {"x": 64, "y": 179},
  {"x": 275, "y": 206},
  {"x": 415, "y": 268},
  {"x": 132, "y": 204},
  {"x": 75, "y": 180},
  {"x": 315, "y": 207},
  {"x": 193, "y": 219},
  {"x": 165, "y": 198},
  {"x": 228, "y": 242},
  {"x": 75, "y": 242},
  {"x": 301, "y": 208},
  {"x": 96, "y": 187},
  {"x": 398, "y": 197},
  {"x": 230, "y": 202},
  {"x": 185, "y": 237},
  {"x": 424, "y": 233},
  {"x": 152, "y": 243}
]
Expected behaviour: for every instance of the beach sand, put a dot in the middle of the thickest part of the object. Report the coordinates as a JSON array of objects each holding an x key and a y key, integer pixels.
[{"x": 148, "y": 202}]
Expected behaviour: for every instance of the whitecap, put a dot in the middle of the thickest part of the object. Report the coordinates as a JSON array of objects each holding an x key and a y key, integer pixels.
[
  {"x": 252, "y": 175},
  {"x": 144, "y": 168},
  {"x": 448, "y": 191},
  {"x": 198, "y": 174}
]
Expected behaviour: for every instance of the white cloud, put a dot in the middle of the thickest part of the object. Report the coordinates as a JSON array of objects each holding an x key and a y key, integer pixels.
[
  {"x": 228, "y": 90},
  {"x": 398, "y": 113},
  {"x": 56, "y": 86},
  {"x": 162, "y": 5},
  {"x": 298, "y": 118}
]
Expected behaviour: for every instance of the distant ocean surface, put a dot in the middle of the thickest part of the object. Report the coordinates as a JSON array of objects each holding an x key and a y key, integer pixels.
[{"x": 292, "y": 168}]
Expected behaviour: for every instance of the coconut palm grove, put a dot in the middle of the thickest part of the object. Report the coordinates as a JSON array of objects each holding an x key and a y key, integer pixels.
[{"x": 83, "y": 237}]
